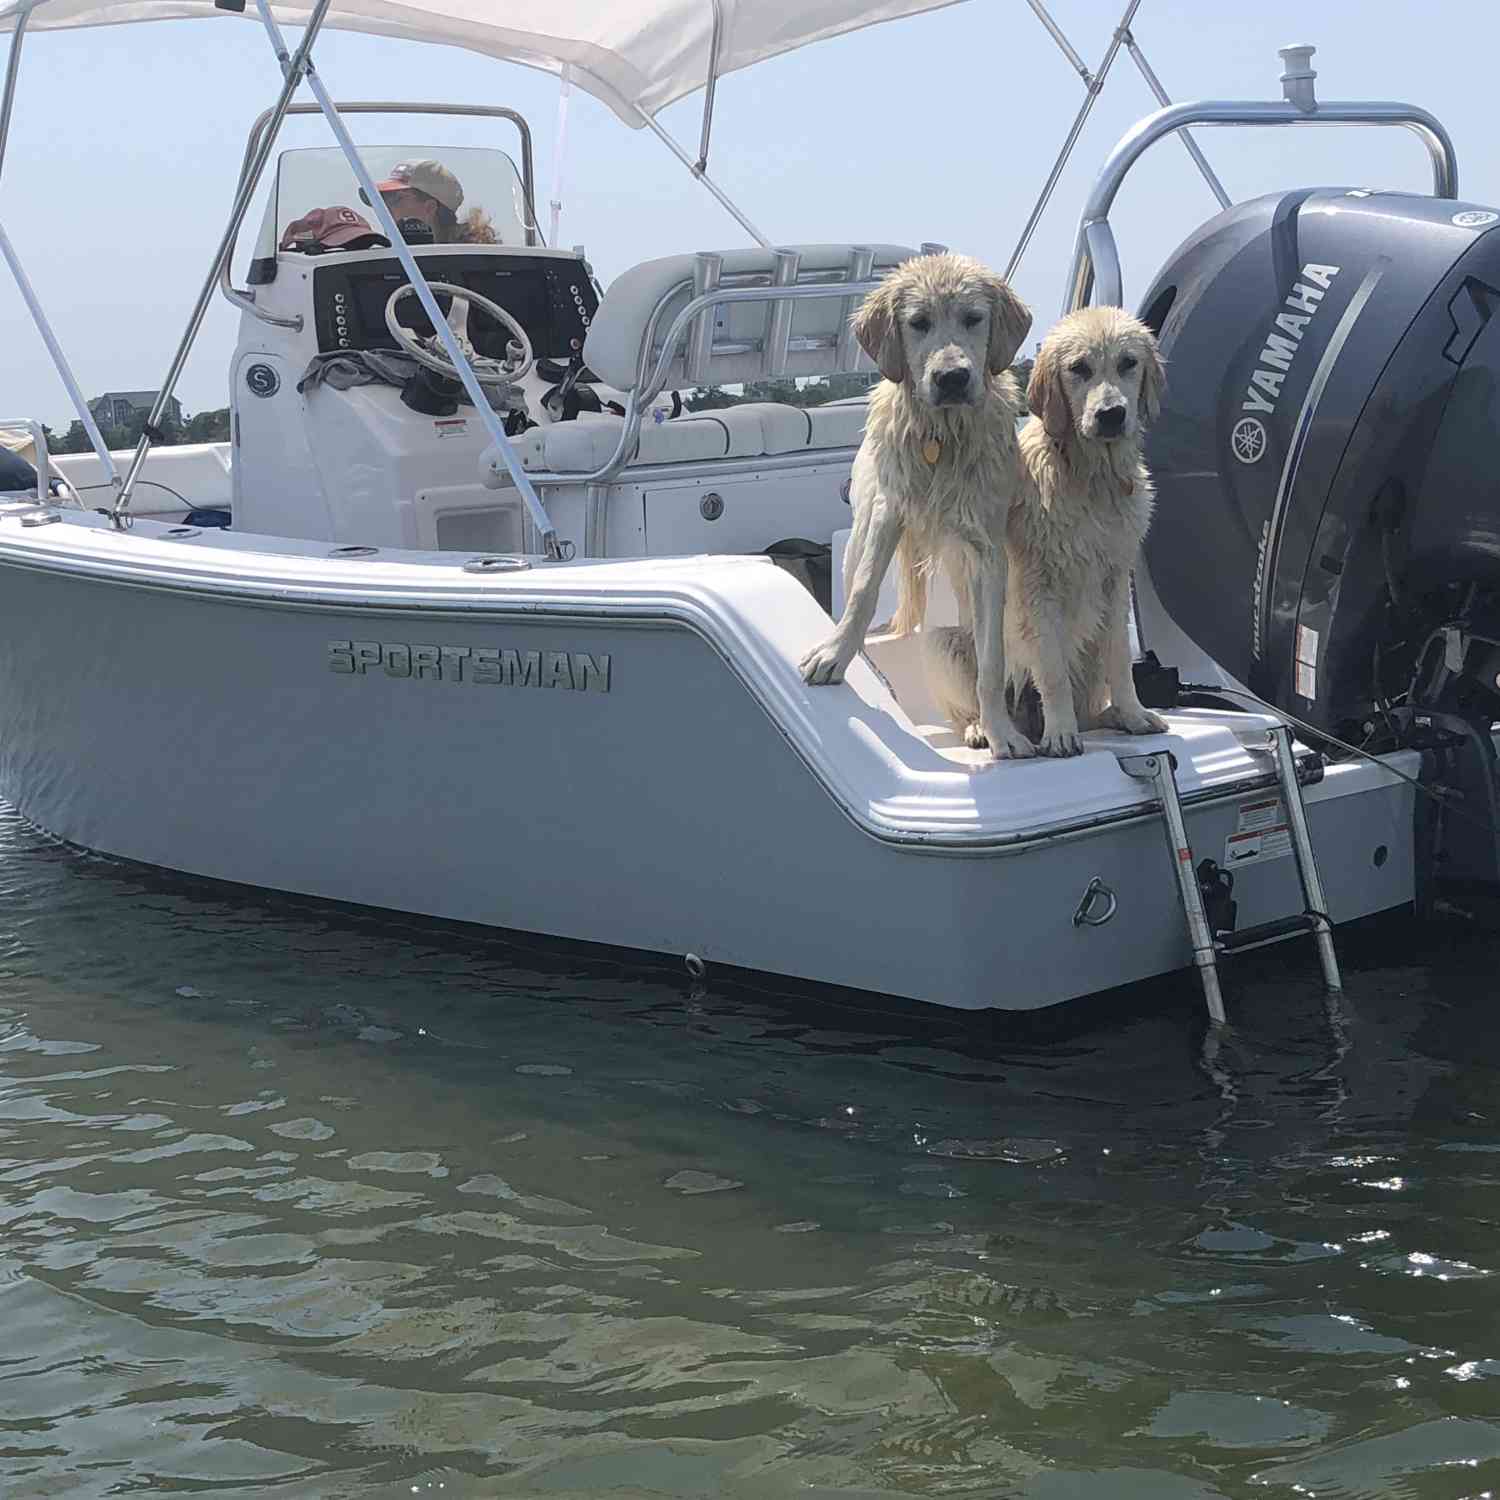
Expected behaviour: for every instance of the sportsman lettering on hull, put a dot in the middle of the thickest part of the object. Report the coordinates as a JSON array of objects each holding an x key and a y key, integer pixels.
[
  {"x": 1276, "y": 358},
  {"x": 490, "y": 666}
]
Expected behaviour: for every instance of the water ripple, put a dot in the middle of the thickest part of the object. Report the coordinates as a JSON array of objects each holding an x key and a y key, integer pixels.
[{"x": 298, "y": 1201}]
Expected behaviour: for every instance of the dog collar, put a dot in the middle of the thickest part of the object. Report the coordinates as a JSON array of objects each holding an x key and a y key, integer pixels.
[{"x": 932, "y": 450}]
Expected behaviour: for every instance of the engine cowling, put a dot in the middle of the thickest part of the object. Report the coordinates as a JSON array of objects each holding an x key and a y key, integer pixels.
[{"x": 1326, "y": 463}]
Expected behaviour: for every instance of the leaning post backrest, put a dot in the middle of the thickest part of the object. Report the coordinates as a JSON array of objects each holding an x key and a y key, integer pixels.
[{"x": 727, "y": 343}]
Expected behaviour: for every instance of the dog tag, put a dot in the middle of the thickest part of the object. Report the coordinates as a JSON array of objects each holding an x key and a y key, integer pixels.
[{"x": 932, "y": 450}]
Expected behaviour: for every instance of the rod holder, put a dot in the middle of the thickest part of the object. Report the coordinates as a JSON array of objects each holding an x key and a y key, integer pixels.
[
  {"x": 707, "y": 269},
  {"x": 1297, "y": 77},
  {"x": 849, "y": 355},
  {"x": 779, "y": 315}
]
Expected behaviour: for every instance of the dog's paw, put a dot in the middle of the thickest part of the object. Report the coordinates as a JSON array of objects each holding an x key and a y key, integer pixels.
[
  {"x": 824, "y": 664},
  {"x": 1005, "y": 742},
  {"x": 1134, "y": 720},
  {"x": 1063, "y": 743},
  {"x": 974, "y": 737}
]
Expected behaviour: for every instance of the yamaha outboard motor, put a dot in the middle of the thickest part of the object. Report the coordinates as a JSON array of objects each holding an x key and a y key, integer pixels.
[
  {"x": 1329, "y": 491},
  {"x": 1328, "y": 472},
  {"x": 1327, "y": 532}
]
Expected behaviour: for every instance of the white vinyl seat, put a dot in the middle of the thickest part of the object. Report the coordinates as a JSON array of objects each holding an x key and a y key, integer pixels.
[
  {"x": 840, "y": 424},
  {"x": 589, "y": 440},
  {"x": 748, "y": 431},
  {"x": 792, "y": 429}
]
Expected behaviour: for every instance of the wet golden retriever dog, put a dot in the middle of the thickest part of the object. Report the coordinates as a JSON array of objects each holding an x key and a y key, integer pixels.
[
  {"x": 935, "y": 475},
  {"x": 1072, "y": 536}
]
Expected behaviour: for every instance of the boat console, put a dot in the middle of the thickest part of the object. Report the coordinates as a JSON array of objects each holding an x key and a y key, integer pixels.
[
  {"x": 352, "y": 451},
  {"x": 339, "y": 437},
  {"x": 552, "y": 296}
]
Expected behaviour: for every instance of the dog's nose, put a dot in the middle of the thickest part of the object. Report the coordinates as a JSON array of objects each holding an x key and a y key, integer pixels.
[
  {"x": 1110, "y": 420},
  {"x": 951, "y": 383}
]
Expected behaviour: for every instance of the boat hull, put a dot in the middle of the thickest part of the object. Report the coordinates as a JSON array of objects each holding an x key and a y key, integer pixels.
[{"x": 590, "y": 771}]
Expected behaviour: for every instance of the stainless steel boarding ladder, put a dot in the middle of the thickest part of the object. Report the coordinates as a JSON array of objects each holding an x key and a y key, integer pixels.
[{"x": 1158, "y": 769}]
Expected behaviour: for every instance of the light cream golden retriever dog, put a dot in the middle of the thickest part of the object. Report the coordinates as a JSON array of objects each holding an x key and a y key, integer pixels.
[
  {"x": 1072, "y": 536},
  {"x": 938, "y": 467}
]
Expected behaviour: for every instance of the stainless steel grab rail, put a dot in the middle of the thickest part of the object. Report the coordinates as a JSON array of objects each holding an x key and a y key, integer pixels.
[{"x": 1095, "y": 273}]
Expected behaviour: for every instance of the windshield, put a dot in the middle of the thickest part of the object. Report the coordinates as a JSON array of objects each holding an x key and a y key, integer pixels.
[{"x": 487, "y": 204}]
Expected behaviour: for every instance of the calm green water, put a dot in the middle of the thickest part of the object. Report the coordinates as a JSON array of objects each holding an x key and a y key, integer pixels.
[{"x": 299, "y": 1202}]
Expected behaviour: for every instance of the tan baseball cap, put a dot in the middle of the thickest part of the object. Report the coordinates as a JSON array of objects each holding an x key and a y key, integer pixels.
[{"x": 426, "y": 176}]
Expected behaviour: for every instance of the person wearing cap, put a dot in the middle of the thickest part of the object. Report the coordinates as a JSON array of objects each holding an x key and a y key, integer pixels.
[{"x": 425, "y": 189}]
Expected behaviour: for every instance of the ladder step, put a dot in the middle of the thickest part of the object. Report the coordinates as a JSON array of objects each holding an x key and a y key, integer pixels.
[
  {"x": 1266, "y": 932},
  {"x": 1159, "y": 770}
]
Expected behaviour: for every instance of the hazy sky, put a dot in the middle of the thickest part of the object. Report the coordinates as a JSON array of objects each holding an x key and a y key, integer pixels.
[{"x": 127, "y": 141}]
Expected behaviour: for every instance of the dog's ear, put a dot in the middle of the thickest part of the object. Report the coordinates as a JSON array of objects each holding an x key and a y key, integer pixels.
[
  {"x": 1047, "y": 398},
  {"x": 1153, "y": 382},
  {"x": 877, "y": 328},
  {"x": 1010, "y": 322}
]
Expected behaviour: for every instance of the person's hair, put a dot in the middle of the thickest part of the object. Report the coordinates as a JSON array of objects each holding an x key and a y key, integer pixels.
[{"x": 475, "y": 228}]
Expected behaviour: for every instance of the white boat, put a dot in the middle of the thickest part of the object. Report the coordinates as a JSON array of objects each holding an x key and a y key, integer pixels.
[{"x": 547, "y": 681}]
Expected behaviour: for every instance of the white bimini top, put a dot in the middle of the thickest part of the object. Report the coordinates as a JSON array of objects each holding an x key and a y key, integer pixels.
[{"x": 636, "y": 55}]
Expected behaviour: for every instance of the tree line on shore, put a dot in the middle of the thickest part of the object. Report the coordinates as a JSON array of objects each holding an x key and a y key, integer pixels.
[
  {"x": 814, "y": 393},
  {"x": 201, "y": 427}
]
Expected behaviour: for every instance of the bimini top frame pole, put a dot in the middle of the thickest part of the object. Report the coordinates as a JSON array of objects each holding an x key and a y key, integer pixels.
[
  {"x": 715, "y": 47},
  {"x": 660, "y": 132},
  {"x": 1096, "y": 273},
  {"x": 699, "y": 168},
  {"x": 1093, "y": 84},
  {"x": 12, "y": 73},
  {"x": 293, "y": 69},
  {"x": 23, "y": 283}
]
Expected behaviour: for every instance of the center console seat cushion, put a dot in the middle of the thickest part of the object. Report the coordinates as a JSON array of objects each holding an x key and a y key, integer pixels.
[
  {"x": 758, "y": 427},
  {"x": 588, "y": 442},
  {"x": 840, "y": 424}
]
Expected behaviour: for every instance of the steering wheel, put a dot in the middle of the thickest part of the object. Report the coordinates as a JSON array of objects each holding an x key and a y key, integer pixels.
[{"x": 430, "y": 352}]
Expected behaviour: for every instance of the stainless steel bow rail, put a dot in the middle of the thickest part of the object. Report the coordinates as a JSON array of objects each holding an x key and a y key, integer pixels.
[{"x": 1158, "y": 770}]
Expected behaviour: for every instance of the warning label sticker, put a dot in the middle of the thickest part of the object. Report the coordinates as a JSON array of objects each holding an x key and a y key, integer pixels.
[
  {"x": 1260, "y": 832},
  {"x": 1306, "y": 673}
]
